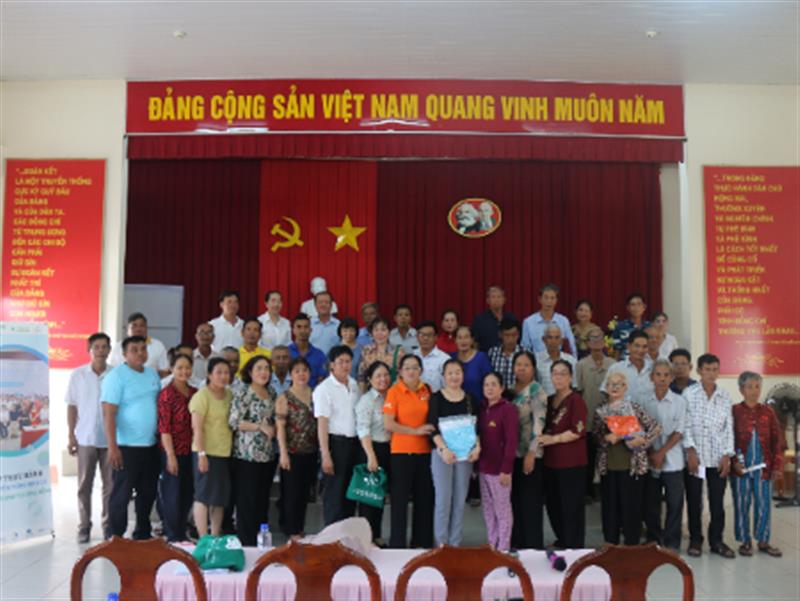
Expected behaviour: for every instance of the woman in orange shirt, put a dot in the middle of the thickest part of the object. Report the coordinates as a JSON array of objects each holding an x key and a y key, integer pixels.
[{"x": 405, "y": 414}]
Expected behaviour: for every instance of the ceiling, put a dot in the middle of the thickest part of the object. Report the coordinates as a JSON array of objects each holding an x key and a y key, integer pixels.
[{"x": 711, "y": 42}]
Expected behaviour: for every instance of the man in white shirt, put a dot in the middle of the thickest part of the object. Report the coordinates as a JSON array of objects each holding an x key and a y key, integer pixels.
[
  {"x": 156, "y": 351},
  {"x": 534, "y": 326},
  {"x": 324, "y": 327},
  {"x": 403, "y": 335},
  {"x": 276, "y": 330},
  {"x": 204, "y": 335},
  {"x": 334, "y": 407},
  {"x": 636, "y": 367},
  {"x": 318, "y": 284},
  {"x": 228, "y": 326},
  {"x": 433, "y": 359},
  {"x": 86, "y": 437},
  {"x": 553, "y": 340}
]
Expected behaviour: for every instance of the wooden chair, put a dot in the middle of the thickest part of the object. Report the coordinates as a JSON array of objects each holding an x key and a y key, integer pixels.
[
  {"x": 313, "y": 567},
  {"x": 464, "y": 570},
  {"x": 629, "y": 568},
  {"x": 137, "y": 563}
]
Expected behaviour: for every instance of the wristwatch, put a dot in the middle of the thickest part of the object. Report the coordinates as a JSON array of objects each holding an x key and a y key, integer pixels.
[{"x": 201, "y": 453}]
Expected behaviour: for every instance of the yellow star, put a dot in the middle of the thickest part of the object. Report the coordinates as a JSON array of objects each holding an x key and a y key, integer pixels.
[{"x": 347, "y": 234}]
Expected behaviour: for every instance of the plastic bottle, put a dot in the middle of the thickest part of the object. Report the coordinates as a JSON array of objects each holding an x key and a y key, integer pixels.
[
  {"x": 264, "y": 539},
  {"x": 112, "y": 597}
]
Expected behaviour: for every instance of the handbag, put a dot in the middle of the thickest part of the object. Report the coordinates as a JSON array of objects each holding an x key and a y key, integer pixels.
[
  {"x": 367, "y": 487},
  {"x": 219, "y": 552}
]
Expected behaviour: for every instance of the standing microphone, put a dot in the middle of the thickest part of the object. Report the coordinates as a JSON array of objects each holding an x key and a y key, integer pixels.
[{"x": 557, "y": 562}]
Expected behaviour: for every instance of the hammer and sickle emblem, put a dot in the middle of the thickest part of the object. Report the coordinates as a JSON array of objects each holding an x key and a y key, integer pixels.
[{"x": 289, "y": 239}]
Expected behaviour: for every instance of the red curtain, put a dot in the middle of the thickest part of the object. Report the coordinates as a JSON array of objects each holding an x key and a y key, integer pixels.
[
  {"x": 195, "y": 224},
  {"x": 592, "y": 228},
  {"x": 318, "y": 195},
  {"x": 399, "y": 145}
]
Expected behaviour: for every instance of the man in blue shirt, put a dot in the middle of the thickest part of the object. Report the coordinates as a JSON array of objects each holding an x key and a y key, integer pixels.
[
  {"x": 534, "y": 327},
  {"x": 324, "y": 327},
  {"x": 129, "y": 394},
  {"x": 301, "y": 347},
  {"x": 636, "y": 307},
  {"x": 486, "y": 326}
]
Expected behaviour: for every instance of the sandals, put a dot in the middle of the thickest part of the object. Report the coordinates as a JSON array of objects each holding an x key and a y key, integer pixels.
[
  {"x": 746, "y": 550},
  {"x": 695, "y": 550},
  {"x": 723, "y": 550},
  {"x": 770, "y": 550}
]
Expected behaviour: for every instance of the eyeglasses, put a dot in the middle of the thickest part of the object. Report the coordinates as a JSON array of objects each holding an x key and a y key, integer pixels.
[{"x": 616, "y": 385}]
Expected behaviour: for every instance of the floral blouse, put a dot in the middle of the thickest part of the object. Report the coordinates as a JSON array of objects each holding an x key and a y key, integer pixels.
[
  {"x": 531, "y": 405},
  {"x": 639, "y": 461},
  {"x": 390, "y": 355},
  {"x": 301, "y": 426},
  {"x": 248, "y": 406}
]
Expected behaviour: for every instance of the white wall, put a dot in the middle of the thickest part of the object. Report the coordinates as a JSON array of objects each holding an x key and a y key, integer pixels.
[
  {"x": 733, "y": 125},
  {"x": 729, "y": 125},
  {"x": 73, "y": 119}
]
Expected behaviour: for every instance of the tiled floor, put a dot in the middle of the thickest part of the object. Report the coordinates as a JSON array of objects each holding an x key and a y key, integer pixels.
[{"x": 40, "y": 569}]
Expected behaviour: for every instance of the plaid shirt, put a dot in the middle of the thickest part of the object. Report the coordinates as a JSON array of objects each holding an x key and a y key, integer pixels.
[
  {"x": 504, "y": 365},
  {"x": 709, "y": 424}
]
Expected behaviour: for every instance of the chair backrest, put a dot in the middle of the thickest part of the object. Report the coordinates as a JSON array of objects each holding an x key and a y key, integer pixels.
[
  {"x": 464, "y": 570},
  {"x": 629, "y": 568},
  {"x": 137, "y": 563},
  {"x": 313, "y": 567}
]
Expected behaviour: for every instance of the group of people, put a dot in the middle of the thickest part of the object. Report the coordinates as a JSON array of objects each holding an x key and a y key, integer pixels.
[{"x": 263, "y": 394}]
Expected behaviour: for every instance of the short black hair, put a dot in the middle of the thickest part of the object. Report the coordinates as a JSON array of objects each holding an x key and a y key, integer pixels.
[
  {"x": 552, "y": 287},
  {"x": 226, "y": 293},
  {"x": 339, "y": 350},
  {"x": 323, "y": 293},
  {"x": 428, "y": 324},
  {"x": 247, "y": 371},
  {"x": 378, "y": 320},
  {"x": 637, "y": 334},
  {"x": 634, "y": 295},
  {"x": 584, "y": 301},
  {"x": 136, "y": 316},
  {"x": 347, "y": 322},
  {"x": 495, "y": 374},
  {"x": 403, "y": 306},
  {"x": 453, "y": 311},
  {"x": 269, "y": 293},
  {"x": 660, "y": 314},
  {"x": 97, "y": 336},
  {"x": 681, "y": 352},
  {"x": 706, "y": 359},
  {"x": 509, "y": 323},
  {"x": 174, "y": 356},
  {"x": 562, "y": 362},
  {"x": 373, "y": 367},
  {"x": 298, "y": 361},
  {"x": 213, "y": 362},
  {"x": 126, "y": 342},
  {"x": 529, "y": 355},
  {"x": 300, "y": 317},
  {"x": 410, "y": 357},
  {"x": 252, "y": 319}
]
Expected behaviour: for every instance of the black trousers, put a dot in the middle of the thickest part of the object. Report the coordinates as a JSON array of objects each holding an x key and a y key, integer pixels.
[
  {"x": 253, "y": 485},
  {"x": 175, "y": 495},
  {"x": 622, "y": 498},
  {"x": 565, "y": 491},
  {"x": 591, "y": 453},
  {"x": 411, "y": 478},
  {"x": 527, "y": 505},
  {"x": 295, "y": 483},
  {"x": 140, "y": 468},
  {"x": 374, "y": 515},
  {"x": 671, "y": 483},
  {"x": 694, "y": 502},
  {"x": 344, "y": 453}
]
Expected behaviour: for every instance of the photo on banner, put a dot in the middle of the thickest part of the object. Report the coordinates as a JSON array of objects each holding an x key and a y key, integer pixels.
[{"x": 25, "y": 495}]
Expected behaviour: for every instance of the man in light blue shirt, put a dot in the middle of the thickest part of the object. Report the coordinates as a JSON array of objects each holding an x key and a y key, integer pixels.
[
  {"x": 130, "y": 418},
  {"x": 666, "y": 458},
  {"x": 534, "y": 326},
  {"x": 324, "y": 327}
]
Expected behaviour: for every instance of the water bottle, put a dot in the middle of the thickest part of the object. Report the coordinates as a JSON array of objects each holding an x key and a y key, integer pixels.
[
  {"x": 112, "y": 597},
  {"x": 264, "y": 539}
]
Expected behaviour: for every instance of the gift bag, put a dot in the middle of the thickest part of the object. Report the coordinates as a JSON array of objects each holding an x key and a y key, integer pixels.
[
  {"x": 367, "y": 487},
  {"x": 215, "y": 552},
  {"x": 458, "y": 432}
]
